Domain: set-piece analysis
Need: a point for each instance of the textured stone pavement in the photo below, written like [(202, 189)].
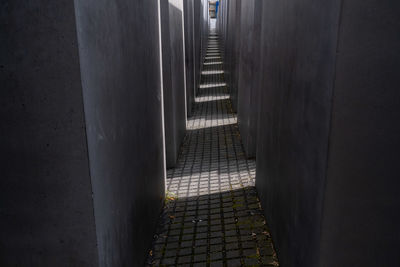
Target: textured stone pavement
[(212, 215)]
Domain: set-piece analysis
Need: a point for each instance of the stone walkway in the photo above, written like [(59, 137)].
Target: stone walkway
[(212, 215)]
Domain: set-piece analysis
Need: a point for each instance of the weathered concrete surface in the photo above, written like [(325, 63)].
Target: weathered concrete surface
[(362, 201), (46, 206), (249, 74), (119, 54)]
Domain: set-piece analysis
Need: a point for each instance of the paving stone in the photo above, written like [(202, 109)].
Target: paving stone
[(248, 244), (249, 252), (231, 232), (231, 246), (266, 250), (214, 241), (185, 251), (188, 231), (217, 264), (233, 254), (200, 257), (188, 243), (216, 256), (201, 235), (216, 234), (170, 253), (214, 248), (234, 263), (201, 242), (168, 261), (267, 260), (231, 227), (200, 250), (184, 259), (251, 262), (216, 231), (200, 264)]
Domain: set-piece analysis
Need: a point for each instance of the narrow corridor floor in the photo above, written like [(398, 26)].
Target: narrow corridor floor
[(212, 215)]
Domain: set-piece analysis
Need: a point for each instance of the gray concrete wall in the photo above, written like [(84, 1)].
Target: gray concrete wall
[(236, 51), (174, 94), (119, 54), (168, 90), (362, 201), (328, 131), (298, 53), (204, 30), (232, 47), (239, 27), (249, 74), (190, 60), (222, 21), (201, 28), (197, 42), (46, 205)]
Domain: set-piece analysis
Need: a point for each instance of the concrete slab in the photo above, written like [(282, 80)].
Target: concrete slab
[(174, 77), (120, 66), (46, 203)]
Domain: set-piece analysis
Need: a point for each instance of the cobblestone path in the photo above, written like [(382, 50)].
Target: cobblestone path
[(212, 215)]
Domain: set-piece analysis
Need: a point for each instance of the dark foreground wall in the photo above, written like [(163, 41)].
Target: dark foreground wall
[(298, 62), (119, 53), (46, 205), (82, 161), (328, 131), (362, 201), (328, 124)]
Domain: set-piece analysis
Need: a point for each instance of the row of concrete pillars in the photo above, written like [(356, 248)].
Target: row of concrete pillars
[(94, 99), (92, 109)]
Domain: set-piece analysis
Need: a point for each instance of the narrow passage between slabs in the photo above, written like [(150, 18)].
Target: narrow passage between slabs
[(212, 215)]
